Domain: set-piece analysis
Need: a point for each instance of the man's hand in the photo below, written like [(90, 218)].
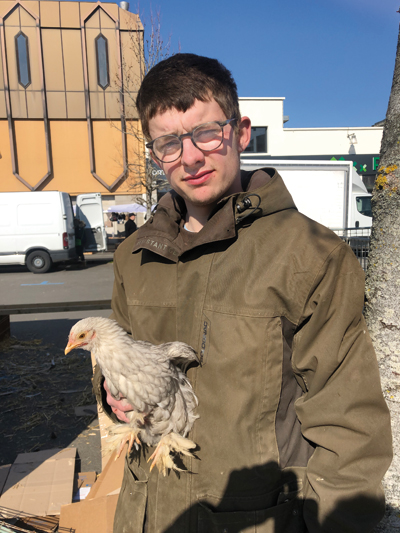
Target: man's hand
[(118, 407)]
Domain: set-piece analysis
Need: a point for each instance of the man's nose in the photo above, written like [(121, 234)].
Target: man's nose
[(191, 155)]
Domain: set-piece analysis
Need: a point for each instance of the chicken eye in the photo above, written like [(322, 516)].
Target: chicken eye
[(81, 336)]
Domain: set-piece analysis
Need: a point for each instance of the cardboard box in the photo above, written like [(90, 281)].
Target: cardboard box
[(39, 483), (82, 484), (110, 480), (96, 513), (89, 516)]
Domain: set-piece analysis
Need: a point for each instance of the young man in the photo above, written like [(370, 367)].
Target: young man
[(293, 434)]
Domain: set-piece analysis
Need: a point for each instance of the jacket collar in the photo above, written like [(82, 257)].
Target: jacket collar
[(264, 193)]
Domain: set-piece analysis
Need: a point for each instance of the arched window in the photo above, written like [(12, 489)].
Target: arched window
[(22, 52), (103, 77)]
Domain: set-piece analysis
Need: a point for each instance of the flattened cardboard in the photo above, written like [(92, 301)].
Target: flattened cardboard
[(110, 480), (95, 514), (40, 482), (82, 484), (89, 516), (84, 479)]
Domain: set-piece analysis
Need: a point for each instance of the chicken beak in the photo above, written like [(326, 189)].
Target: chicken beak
[(71, 346)]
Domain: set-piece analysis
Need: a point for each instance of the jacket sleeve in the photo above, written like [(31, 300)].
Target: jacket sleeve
[(342, 411), (119, 304), (120, 314)]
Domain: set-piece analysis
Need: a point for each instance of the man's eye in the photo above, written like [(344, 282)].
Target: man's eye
[(207, 135), (169, 146)]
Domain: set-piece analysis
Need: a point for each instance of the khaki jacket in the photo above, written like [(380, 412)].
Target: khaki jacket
[(293, 434)]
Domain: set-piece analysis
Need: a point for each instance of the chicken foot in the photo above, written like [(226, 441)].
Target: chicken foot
[(131, 437), (120, 434), (173, 442)]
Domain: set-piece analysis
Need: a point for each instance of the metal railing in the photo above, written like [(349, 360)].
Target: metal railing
[(358, 240), (52, 307)]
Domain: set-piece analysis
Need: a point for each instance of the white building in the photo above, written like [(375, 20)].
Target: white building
[(271, 140)]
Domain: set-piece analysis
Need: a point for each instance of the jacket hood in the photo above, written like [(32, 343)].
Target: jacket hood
[(264, 193)]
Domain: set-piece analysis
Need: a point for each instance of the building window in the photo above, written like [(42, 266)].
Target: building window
[(103, 77), (22, 50), (258, 142)]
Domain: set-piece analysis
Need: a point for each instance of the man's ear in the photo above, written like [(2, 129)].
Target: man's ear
[(244, 134)]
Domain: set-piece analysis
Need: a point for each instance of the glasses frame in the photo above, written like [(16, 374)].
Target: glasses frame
[(149, 145)]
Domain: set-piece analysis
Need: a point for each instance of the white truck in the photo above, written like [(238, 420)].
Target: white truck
[(330, 192), (37, 229)]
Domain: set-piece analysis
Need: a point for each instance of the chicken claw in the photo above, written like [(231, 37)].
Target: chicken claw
[(118, 436), (170, 443), (130, 438)]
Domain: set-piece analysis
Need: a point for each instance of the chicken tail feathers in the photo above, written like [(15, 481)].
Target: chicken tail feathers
[(180, 354)]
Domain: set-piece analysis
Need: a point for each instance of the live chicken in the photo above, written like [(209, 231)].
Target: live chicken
[(150, 378)]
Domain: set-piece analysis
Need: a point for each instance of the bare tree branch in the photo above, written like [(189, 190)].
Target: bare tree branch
[(145, 48)]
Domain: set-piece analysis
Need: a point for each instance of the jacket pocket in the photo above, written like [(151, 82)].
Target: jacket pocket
[(131, 506), (285, 517)]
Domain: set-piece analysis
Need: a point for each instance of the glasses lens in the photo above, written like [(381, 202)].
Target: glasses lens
[(208, 136), (167, 148)]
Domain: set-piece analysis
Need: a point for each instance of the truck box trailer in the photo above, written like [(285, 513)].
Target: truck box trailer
[(330, 192)]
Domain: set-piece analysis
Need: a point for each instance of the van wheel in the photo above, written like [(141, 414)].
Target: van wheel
[(38, 262)]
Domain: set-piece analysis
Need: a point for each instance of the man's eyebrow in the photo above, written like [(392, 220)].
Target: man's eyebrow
[(200, 123)]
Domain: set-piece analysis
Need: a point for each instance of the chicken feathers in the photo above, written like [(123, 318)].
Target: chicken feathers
[(149, 377)]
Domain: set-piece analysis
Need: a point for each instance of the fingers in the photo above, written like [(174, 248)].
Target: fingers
[(118, 407), (122, 405), (120, 415)]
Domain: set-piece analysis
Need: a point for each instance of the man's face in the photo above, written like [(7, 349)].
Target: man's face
[(202, 178)]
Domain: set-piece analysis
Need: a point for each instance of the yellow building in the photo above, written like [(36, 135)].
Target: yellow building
[(61, 108)]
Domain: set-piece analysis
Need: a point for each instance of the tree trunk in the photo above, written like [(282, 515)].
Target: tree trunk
[(382, 310)]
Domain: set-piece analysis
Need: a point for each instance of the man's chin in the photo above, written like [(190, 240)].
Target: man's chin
[(205, 200)]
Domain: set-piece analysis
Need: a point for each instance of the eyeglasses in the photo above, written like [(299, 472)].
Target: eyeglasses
[(206, 137)]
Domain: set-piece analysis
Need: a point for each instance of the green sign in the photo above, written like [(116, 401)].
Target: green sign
[(360, 167), (375, 163)]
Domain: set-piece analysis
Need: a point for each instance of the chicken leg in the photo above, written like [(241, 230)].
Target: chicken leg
[(173, 442)]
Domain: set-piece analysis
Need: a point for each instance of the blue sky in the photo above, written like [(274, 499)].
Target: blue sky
[(332, 60)]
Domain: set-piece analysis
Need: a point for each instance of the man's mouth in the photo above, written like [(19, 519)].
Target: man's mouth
[(199, 178)]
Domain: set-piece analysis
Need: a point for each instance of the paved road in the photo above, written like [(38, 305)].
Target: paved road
[(64, 284)]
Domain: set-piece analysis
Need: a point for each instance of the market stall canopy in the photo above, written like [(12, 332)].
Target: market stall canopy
[(127, 208)]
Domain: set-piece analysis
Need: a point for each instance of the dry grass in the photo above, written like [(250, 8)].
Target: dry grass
[(40, 387)]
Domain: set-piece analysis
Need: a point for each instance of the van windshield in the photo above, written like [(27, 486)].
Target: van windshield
[(364, 205)]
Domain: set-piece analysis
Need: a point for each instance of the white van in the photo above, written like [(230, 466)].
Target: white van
[(89, 209), (36, 229)]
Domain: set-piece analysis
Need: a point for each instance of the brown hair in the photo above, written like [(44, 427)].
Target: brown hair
[(181, 79)]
